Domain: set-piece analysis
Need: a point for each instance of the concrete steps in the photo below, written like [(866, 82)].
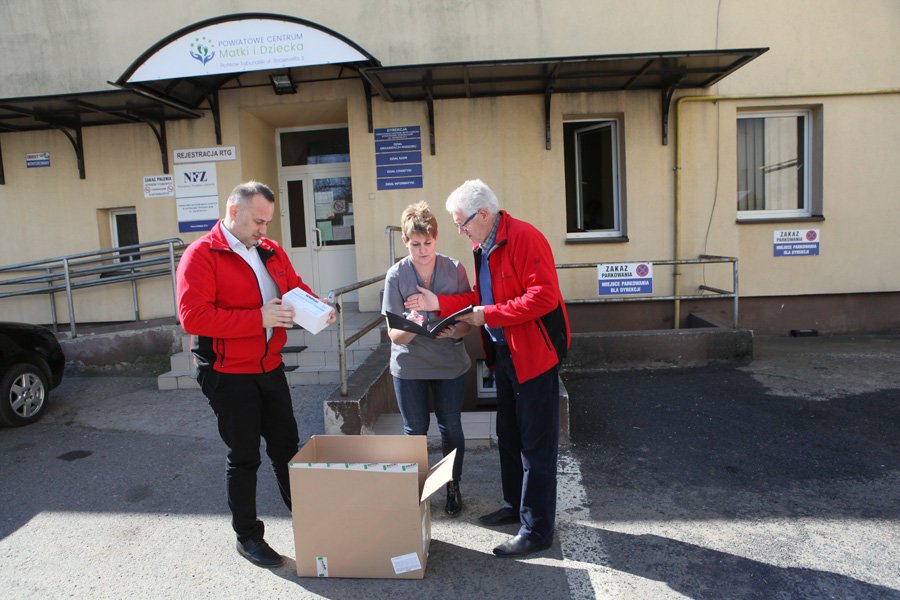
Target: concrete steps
[(308, 359)]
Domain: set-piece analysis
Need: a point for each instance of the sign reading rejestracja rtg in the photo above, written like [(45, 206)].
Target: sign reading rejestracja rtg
[(216, 153)]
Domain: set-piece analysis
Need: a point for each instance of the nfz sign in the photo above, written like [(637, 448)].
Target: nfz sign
[(196, 196), (619, 279), (195, 179), (195, 176)]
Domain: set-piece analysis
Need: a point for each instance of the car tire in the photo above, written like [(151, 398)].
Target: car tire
[(24, 392)]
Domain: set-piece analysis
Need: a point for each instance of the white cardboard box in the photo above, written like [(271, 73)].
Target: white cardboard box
[(354, 522), (310, 313)]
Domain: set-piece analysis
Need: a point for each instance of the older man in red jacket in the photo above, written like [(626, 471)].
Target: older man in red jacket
[(521, 314), (230, 283)]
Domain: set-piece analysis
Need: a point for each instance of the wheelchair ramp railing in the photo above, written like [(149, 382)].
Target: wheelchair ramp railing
[(72, 272), (704, 292)]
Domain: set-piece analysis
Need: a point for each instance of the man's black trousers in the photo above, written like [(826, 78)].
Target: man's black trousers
[(528, 441), (250, 406)]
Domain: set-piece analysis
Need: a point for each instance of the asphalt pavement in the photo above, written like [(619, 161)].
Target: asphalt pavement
[(777, 478)]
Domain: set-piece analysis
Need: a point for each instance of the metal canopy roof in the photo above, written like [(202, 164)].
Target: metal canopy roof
[(657, 70), (69, 113), (663, 71), (187, 92), (155, 102), (111, 107), (191, 92)]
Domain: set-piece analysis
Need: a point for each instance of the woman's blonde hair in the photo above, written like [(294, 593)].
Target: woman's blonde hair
[(418, 218)]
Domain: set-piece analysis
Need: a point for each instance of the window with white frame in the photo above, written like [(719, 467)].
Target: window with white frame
[(774, 164), (594, 205)]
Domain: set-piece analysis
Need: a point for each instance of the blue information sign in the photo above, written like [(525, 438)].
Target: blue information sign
[(398, 145), (398, 157), (796, 242), (398, 171), (189, 226), (398, 133), (616, 279), (37, 159), (626, 286), (399, 183)]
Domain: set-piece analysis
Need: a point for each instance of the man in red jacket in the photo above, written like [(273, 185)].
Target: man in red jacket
[(521, 315), (230, 283)]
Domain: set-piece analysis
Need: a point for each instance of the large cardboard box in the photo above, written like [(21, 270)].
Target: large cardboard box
[(360, 505)]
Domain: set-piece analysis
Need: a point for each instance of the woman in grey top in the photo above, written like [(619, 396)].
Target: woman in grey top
[(419, 363)]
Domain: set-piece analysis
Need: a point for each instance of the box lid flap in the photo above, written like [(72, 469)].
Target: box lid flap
[(439, 474)]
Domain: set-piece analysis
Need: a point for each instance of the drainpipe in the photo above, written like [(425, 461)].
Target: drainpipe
[(676, 275)]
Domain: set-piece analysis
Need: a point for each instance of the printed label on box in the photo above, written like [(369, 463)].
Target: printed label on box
[(322, 566), (406, 563)]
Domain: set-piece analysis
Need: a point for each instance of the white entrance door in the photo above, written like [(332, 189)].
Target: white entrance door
[(317, 221)]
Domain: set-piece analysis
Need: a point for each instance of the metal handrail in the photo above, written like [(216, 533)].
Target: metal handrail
[(390, 230), (336, 298), (703, 259), (91, 269)]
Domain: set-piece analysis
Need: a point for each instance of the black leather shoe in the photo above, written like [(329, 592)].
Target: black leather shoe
[(504, 516), (454, 499), (519, 545), (260, 553)]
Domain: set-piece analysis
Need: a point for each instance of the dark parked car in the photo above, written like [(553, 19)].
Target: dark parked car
[(31, 364)]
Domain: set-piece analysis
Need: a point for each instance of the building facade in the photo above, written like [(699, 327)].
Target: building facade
[(627, 132)]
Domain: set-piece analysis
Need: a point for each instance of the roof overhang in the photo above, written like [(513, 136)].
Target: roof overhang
[(663, 71), (70, 113), (174, 78), (604, 73), (112, 107)]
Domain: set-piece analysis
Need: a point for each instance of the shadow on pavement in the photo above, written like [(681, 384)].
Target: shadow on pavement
[(706, 574), (711, 443), (72, 469), (485, 576)]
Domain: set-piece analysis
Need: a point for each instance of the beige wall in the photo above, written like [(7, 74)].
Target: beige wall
[(858, 244), (51, 212), (85, 43), (501, 141), (816, 46)]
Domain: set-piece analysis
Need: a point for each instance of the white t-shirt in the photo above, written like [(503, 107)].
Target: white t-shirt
[(267, 287)]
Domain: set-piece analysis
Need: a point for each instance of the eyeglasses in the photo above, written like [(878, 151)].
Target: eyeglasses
[(463, 226)]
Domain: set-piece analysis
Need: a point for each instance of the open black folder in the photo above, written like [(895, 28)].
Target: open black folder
[(400, 322)]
